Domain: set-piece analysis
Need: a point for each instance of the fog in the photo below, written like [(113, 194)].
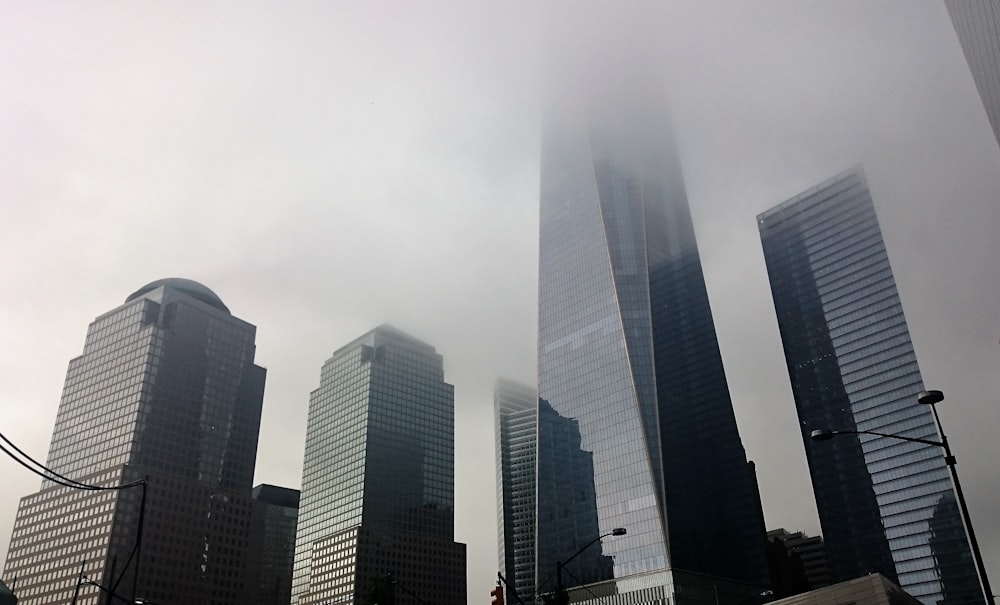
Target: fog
[(329, 167)]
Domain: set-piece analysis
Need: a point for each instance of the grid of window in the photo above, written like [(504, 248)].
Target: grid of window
[(883, 503), (516, 421), (380, 456), (166, 389), (55, 531), (639, 424)]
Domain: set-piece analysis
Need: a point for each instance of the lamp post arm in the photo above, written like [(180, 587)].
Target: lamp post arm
[(950, 462), (583, 548), (561, 597), (891, 436)]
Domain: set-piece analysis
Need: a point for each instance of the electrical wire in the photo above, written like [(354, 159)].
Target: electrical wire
[(406, 590), (581, 584), (55, 477), (50, 475), (37, 463), (43, 475)]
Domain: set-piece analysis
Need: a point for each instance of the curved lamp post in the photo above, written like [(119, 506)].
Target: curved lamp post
[(562, 597), (931, 398)]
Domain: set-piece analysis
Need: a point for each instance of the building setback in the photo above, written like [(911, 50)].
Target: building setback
[(515, 409), (808, 550), (166, 388), (376, 516), (885, 505), (977, 23), (627, 353), (273, 520)]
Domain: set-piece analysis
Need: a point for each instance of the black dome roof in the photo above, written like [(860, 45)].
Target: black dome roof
[(187, 286)]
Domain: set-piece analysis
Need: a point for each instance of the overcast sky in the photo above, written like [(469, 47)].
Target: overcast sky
[(326, 167)]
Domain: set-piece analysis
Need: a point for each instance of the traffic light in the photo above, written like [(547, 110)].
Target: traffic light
[(497, 594)]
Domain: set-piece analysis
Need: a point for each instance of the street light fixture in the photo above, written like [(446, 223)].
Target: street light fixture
[(562, 597), (931, 398)]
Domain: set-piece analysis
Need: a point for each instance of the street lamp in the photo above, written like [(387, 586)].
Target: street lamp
[(562, 597), (931, 398)]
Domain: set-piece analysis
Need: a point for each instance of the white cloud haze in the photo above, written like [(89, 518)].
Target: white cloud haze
[(326, 167)]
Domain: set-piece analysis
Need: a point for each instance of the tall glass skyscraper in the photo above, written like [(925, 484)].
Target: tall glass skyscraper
[(166, 388), (885, 505), (627, 355), (377, 510), (515, 408), (977, 23)]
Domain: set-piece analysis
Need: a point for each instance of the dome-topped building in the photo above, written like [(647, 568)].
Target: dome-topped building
[(166, 389), (188, 286)]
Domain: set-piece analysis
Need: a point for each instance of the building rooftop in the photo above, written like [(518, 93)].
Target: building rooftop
[(190, 287)]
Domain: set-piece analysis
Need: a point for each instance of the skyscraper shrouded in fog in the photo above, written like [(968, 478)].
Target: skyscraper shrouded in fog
[(977, 23), (885, 505), (627, 353), (166, 388), (376, 515), (515, 408)]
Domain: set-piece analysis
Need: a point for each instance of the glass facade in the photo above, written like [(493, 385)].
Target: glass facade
[(515, 409), (637, 427), (977, 23), (378, 478), (167, 389), (883, 503), (272, 545)]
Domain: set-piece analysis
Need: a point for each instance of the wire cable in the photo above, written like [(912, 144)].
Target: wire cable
[(581, 584), (37, 463), (55, 477), (406, 590), (41, 474), (51, 475)]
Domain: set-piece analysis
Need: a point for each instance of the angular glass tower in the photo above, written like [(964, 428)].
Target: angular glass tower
[(885, 505), (977, 23), (627, 353), (166, 388), (515, 409), (377, 510)]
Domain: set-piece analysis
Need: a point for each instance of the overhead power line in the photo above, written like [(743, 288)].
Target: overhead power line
[(51, 475)]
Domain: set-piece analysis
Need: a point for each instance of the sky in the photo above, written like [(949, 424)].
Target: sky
[(327, 167)]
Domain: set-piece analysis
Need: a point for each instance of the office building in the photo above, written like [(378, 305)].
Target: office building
[(166, 389), (808, 550), (376, 514), (273, 519), (883, 503), (627, 352), (515, 408), (977, 23)]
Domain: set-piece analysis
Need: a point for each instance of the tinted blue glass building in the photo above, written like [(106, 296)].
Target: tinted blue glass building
[(628, 361), (885, 505)]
